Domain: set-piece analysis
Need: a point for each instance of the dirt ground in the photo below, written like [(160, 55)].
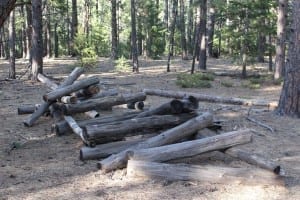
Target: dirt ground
[(37, 164)]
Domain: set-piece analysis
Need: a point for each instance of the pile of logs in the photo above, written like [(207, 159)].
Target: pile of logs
[(144, 140)]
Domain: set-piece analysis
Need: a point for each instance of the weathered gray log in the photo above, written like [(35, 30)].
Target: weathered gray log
[(210, 174), (27, 109), (56, 113), (74, 126), (63, 91), (104, 103), (92, 114), (50, 84), (69, 99), (87, 92), (98, 134), (192, 148), (167, 137), (44, 106), (208, 98), (251, 158), (136, 105), (62, 127), (105, 150), (106, 93)]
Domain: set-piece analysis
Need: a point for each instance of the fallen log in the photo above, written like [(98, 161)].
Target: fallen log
[(210, 174), (56, 113), (192, 148), (50, 84), (106, 93), (104, 103), (208, 98), (27, 109), (62, 127), (175, 106), (74, 126), (44, 106), (167, 137), (87, 92), (69, 99), (63, 91), (136, 105), (253, 158), (98, 134)]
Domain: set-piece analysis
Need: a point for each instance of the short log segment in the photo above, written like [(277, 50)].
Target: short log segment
[(69, 99), (136, 105), (74, 126), (104, 103), (62, 127), (167, 137), (192, 148), (208, 98), (98, 134), (87, 92), (254, 159), (47, 81), (92, 114), (44, 106), (27, 109), (63, 91), (210, 174)]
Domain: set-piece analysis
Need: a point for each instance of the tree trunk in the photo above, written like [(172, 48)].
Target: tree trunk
[(211, 30), (99, 104), (196, 40), (55, 41), (204, 174), (23, 32), (281, 38), (172, 31), (74, 25), (6, 7), (37, 39), (192, 148), (212, 99), (63, 91), (12, 50), (202, 35), (167, 137), (135, 61), (261, 45), (289, 103), (99, 134), (166, 14), (29, 31), (114, 29), (184, 54), (190, 27)]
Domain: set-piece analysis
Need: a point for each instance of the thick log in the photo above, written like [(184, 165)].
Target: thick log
[(136, 105), (47, 81), (239, 153), (69, 99), (192, 148), (87, 92), (105, 150), (104, 103), (167, 137), (27, 109), (62, 127), (208, 98), (106, 93), (63, 91), (56, 113), (210, 174), (45, 106), (98, 134)]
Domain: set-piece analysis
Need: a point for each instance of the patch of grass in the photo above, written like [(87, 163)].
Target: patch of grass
[(278, 81), (251, 85), (198, 80), (226, 83), (122, 65)]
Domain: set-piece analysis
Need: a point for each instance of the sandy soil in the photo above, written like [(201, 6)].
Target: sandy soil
[(45, 166)]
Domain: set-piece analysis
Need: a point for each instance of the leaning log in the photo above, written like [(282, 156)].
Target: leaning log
[(210, 174), (98, 134), (63, 91), (104, 103), (208, 98), (251, 158), (167, 137), (50, 84), (62, 127), (192, 148), (74, 126), (44, 106)]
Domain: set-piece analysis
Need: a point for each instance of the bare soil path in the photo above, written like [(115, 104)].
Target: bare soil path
[(36, 164)]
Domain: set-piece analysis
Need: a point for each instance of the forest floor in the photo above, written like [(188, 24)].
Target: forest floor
[(45, 166)]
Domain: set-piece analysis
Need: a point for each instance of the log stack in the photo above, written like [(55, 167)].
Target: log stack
[(145, 141)]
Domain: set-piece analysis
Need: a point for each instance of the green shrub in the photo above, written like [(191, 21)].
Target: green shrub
[(226, 83), (199, 80), (122, 65)]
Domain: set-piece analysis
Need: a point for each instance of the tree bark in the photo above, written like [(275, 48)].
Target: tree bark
[(135, 61), (211, 174), (99, 104), (37, 39), (202, 35), (114, 29), (6, 7), (12, 49), (192, 148), (281, 38), (184, 54), (211, 30), (190, 27), (98, 134), (167, 137), (289, 103), (212, 99), (63, 91), (74, 25), (50, 84), (27, 109)]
